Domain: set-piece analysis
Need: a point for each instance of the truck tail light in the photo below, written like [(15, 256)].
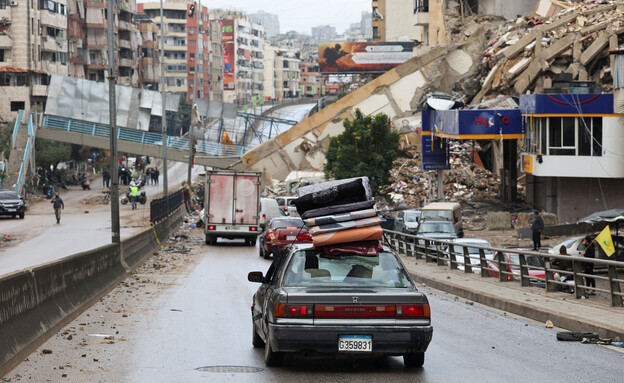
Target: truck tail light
[(293, 311), (413, 311), (253, 228), (211, 227)]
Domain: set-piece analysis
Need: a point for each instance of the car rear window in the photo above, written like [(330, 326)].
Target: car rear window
[(289, 222), (314, 268)]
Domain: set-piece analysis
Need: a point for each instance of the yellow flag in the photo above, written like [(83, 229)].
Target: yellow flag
[(605, 241)]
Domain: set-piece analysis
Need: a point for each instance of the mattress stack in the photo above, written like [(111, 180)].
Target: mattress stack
[(341, 213)]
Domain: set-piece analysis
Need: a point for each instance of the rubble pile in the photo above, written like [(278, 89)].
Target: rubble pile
[(465, 181), (561, 38)]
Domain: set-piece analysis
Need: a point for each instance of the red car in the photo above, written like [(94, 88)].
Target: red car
[(537, 276), (289, 230)]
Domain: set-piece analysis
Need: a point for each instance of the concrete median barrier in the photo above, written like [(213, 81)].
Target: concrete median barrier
[(37, 302)]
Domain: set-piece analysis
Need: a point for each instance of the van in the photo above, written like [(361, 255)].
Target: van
[(287, 206), (450, 211), (269, 209)]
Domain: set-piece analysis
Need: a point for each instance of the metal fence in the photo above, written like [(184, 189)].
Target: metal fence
[(457, 256), (161, 207)]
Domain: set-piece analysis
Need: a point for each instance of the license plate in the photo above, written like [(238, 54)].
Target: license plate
[(11, 209), (291, 237), (355, 343)]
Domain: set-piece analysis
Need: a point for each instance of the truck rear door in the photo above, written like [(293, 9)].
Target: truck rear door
[(246, 200), (221, 198)]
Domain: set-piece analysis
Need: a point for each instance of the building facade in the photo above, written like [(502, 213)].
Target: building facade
[(312, 82), (269, 21)]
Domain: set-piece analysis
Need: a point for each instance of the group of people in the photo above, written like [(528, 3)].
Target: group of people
[(152, 175)]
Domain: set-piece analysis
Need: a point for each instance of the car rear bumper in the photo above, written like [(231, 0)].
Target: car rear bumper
[(387, 340)]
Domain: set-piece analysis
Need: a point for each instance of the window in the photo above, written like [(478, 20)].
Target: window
[(3, 4), (562, 136), (1, 53), (17, 105), (421, 6)]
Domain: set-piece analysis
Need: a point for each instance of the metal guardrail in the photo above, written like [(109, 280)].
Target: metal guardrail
[(18, 121), (456, 256), (161, 207), (142, 137)]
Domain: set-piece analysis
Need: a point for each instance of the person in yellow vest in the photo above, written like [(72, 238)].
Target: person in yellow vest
[(134, 194), (131, 174)]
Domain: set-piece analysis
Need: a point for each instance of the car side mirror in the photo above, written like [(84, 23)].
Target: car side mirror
[(255, 276)]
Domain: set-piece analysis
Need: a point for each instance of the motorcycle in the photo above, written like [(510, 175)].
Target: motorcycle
[(86, 185), (141, 198)]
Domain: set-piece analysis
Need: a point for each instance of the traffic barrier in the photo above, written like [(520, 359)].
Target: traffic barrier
[(36, 302)]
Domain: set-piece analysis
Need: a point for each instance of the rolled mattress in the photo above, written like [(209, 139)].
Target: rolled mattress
[(350, 235)]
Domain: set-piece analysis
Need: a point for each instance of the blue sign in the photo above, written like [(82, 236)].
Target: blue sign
[(434, 150), (567, 104), (480, 124)]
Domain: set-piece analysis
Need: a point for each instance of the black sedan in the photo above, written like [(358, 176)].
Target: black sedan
[(347, 304), (11, 204)]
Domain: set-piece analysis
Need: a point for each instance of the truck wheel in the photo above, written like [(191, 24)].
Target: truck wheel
[(252, 242), (210, 240)]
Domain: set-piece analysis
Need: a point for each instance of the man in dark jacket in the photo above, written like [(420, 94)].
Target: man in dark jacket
[(57, 204), (588, 267), (537, 226)]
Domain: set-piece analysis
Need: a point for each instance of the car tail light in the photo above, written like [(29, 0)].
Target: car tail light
[(211, 227), (304, 237), (270, 234), (413, 311), (253, 228), (293, 311)]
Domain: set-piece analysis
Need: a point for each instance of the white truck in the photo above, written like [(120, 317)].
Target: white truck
[(232, 206)]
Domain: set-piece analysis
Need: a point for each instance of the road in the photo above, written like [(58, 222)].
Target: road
[(37, 238), (184, 317)]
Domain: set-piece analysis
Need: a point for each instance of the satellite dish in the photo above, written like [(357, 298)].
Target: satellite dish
[(440, 104)]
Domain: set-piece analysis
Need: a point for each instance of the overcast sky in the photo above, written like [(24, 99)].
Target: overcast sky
[(301, 15)]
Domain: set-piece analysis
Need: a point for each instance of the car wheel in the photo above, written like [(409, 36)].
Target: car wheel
[(21, 215), (572, 336), (256, 341), (414, 359), (272, 358), (13, 215)]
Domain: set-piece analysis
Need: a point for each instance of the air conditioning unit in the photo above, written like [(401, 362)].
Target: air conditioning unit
[(13, 3)]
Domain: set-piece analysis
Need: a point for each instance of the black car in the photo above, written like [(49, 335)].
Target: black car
[(11, 204), (340, 304)]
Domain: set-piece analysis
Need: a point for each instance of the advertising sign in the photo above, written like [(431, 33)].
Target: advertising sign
[(527, 163), (363, 57), (229, 77)]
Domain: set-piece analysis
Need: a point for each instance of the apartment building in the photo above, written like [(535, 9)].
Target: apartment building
[(33, 45), (269, 21), (149, 66), (243, 58), (282, 72), (311, 81)]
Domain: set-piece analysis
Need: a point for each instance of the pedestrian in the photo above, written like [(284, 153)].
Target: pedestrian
[(58, 205), (588, 267), (2, 177), (156, 174), (134, 194), (148, 175), (106, 178), (537, 226)]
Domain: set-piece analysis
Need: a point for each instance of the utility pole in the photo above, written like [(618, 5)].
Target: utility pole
[(112, 107), (164, 103), (195, 117)]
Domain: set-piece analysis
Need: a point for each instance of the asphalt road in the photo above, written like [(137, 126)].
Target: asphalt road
[(185, 317)]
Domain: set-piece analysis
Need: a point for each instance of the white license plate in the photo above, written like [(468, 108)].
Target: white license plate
[(11, 209), (291, 237), (355, 343)]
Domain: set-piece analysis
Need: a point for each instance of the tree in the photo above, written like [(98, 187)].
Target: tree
[(51, 153), (367, 147)]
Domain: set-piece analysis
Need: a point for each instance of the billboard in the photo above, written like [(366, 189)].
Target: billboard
[(229, 77), (363, 57)]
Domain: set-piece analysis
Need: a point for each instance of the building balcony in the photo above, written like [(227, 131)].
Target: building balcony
[(54, 68), (126, 62), (123, 80), (97, 26), (53, 20), (150, 45), (421, 18), (40, 90), (5, 42), (96, 4), (127, 26), (124, 44), (53, 45), (97, 66), (176, 48)]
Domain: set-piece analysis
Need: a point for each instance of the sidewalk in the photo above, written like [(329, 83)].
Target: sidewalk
[(564, 310)]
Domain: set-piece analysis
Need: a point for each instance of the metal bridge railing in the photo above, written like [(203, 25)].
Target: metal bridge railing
[(18, 121), (143, 137), (456, 256), (161, 207)]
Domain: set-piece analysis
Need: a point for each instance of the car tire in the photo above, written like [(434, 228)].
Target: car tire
[(21, 215), (572, 336), (256, 341), (271, 358), (414, 359)]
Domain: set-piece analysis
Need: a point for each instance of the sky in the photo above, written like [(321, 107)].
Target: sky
[(301, 15)]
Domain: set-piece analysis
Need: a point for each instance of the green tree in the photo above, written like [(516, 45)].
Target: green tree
[(51, 153), (367, 147)]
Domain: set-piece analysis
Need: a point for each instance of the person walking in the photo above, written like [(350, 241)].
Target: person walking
[(134, 194), (588, 267), (58, 205), (156, 174), (148, 176), (537, 226), (106, 178)]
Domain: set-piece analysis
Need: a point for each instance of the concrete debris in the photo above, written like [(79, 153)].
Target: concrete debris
[(572, 40), (549, 324)]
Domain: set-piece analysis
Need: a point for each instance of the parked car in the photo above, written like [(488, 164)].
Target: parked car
[(269, 209), (472, 251), (574, 246), (286, 206), (512, 260), (345, 304), (288, 230), (11, 204), (436, 229), (407, 221)]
